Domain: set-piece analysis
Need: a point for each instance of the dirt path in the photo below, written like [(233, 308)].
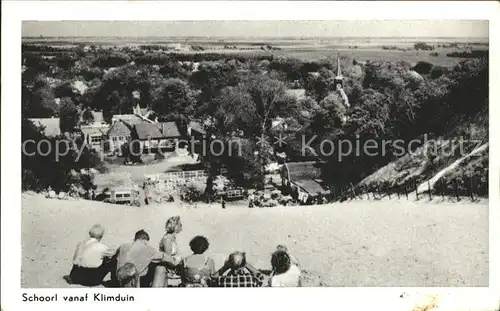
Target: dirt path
[(428, 185)]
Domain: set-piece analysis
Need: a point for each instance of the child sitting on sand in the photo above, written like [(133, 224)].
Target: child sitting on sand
[(198, 267), (128, 276)]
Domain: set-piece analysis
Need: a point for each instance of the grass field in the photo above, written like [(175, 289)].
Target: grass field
[(386, 243)]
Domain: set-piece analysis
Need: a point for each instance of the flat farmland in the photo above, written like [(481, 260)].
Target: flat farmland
[(360, 54), (306, 49)]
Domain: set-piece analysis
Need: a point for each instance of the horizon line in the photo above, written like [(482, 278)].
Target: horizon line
[(256, 37)]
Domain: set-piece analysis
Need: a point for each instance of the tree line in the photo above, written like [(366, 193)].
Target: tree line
[(239, 97)]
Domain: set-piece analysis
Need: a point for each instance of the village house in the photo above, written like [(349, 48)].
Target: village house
[(120, 131), (303, 180), (94, 135), (157, 136), (122, 125)]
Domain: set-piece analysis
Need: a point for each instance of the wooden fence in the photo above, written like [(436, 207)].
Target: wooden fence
[(176, 176), (471, 188)]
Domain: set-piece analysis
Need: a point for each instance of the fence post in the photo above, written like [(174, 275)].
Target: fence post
[(397, 191), (415, 186), (353, 191), (472, 188), (406, 191), (429, 189), (456, 190), (442, 188)]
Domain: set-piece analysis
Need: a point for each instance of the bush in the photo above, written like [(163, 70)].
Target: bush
[(423, 46), (471, 54), (159, 156), (438, 71), (423, 67), (192, 192)]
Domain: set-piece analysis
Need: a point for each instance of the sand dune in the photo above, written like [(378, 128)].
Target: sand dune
[(387, 243)]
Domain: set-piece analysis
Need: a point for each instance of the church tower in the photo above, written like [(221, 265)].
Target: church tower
[(339, 83), (339, 79)]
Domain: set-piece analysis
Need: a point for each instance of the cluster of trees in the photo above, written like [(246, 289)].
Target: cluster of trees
[(238, 96), (471, 54), (423, 46), (55, 162)]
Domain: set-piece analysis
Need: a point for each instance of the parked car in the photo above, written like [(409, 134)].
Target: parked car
[(126, 196)]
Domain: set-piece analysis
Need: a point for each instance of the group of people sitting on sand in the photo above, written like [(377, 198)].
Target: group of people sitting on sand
[(138, 264)]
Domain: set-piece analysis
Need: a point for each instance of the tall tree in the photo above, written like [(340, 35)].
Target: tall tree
[(175, 101), (41, 103), (254, 105), (69, 116), (87, 116)]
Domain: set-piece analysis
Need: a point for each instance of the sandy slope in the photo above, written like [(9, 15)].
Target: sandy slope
[(388, 243)]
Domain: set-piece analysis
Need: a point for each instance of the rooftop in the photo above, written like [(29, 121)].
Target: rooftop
[(156, 130), (120, 128), (130, 119), (89, 129), (311, 186), (303, 170)]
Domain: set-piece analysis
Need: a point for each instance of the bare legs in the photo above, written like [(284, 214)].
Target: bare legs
[(160, 276)]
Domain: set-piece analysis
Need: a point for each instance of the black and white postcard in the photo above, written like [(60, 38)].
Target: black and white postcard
[(314, 152)]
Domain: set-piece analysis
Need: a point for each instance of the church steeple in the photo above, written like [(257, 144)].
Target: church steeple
[(339, 79)]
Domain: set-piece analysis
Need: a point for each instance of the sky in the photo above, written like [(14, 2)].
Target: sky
[(356, 28)]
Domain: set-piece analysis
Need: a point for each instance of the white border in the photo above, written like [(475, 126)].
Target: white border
[(289, 299)]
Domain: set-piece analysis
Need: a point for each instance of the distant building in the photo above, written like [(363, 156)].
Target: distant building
[(139, 114), (122, 125), (302, 179), (94, 135), (339, 86), (120, 131), (156, 136)]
